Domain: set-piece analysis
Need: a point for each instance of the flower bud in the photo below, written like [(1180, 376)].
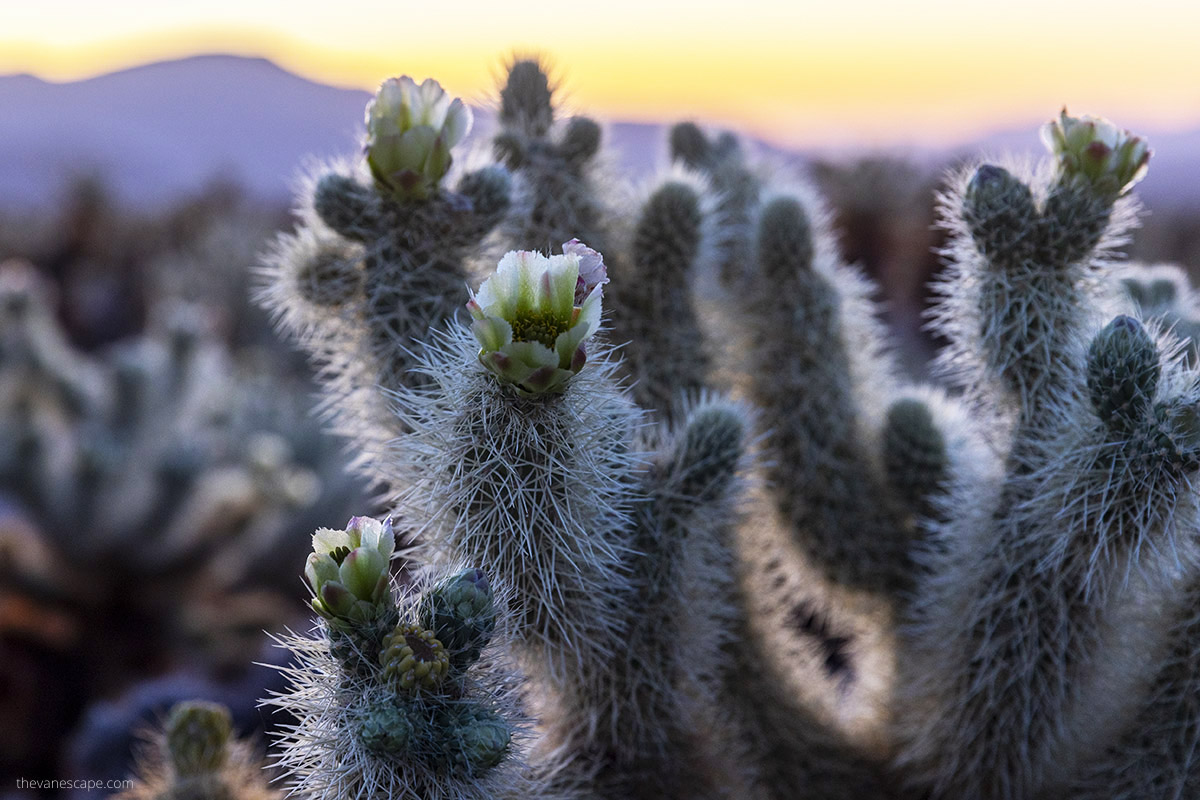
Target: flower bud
[(461, 613), (1122, 373), (348, 570), (1093, 150), (413, 658), (534, 314), (410, 132)]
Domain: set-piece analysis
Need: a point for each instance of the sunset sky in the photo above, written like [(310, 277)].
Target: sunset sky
[(929, 71)]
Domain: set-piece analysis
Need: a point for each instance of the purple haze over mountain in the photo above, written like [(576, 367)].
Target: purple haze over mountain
[(160, 130)]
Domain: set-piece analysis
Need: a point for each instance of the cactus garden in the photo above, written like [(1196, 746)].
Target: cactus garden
[(622, 487)]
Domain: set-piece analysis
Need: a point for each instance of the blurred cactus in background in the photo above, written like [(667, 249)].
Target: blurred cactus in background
[(145, 492)]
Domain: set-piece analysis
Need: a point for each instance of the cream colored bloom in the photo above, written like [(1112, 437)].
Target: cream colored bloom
[(1094, 150), (534, 315), (348, 569), (410, 132)]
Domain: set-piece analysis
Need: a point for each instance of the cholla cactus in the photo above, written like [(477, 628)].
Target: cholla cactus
[(1017, 666), (195, 756), (377, 263), (428, 708), (1025, 536), (559, 196)]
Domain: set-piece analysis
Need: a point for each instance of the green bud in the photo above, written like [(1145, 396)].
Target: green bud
[(413, 659), (385, 728), (478, 738), (198, 737), (461, 613)]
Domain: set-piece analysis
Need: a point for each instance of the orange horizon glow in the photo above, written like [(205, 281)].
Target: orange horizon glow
[(862, 81)]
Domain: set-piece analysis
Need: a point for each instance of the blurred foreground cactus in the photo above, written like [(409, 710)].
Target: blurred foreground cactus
[(748, 559), (196, 758)]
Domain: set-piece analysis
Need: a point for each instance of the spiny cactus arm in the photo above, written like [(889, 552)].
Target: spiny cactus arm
[(1019, 654), (521, 457), (648, 726), (382, 706), (349, 207), (559, 195), (916, 462), (736, 189), (196, 756), (527, 98), (653, 313), (1155, 755), (1026, 256), (818, 374)]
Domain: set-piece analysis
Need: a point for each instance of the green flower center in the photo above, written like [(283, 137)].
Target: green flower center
[(538, 326), (338, 554)]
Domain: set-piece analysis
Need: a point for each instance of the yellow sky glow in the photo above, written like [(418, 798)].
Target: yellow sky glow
[(926, 70)]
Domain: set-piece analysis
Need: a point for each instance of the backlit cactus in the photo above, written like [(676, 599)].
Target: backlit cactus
[(392, 715), (990, 570)]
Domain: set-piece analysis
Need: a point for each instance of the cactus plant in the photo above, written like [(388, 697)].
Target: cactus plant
[(395, 712), (1007, 533), (195, 757)]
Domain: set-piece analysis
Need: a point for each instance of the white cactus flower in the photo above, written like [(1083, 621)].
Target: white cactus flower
[(410, 132), (348, 569), (534, 315), (1094, 150)]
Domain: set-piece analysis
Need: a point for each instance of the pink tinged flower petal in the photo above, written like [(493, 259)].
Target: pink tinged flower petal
[(532, 354), (498, 294), (360, 571), (387, 539), (580, 357), (473, 307), (492, 333), (438, 163), (414, 147), (319, 569), (506, 369), (568, 343), (591, 309), (592, 271), (531, 266)]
